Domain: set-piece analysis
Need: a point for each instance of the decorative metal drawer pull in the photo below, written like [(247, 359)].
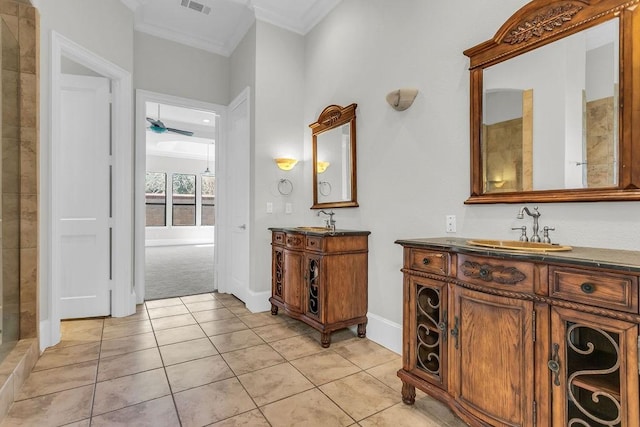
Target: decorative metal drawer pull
[(554, 364), (588, 288), (455, 331), (426, 261)]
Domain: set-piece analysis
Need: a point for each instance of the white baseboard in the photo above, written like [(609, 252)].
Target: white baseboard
[(258, 301), (384, 332), (177, 242), (45, 335)]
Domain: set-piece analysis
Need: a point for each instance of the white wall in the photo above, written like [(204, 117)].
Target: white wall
[(413, 166), (170, 68)]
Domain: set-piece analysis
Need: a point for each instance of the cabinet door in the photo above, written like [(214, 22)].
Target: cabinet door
[(426, 327), (594, 370), (313, 298), (293, 280), (492, 345)]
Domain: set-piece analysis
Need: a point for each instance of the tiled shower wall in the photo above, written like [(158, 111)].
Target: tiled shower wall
[(22, 20)]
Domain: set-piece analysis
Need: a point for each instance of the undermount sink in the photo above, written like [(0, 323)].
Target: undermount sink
[(315, 229), (517, 245)]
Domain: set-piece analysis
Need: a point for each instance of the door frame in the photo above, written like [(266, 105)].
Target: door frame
[(142, 97), (122, 295)]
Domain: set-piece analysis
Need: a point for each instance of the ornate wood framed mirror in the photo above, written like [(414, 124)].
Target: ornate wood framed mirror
[(334, 158), (555, 105)]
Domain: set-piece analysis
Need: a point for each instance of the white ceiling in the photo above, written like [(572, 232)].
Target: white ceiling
[(228, 21)]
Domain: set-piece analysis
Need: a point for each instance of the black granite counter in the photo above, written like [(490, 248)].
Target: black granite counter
[(615, 259)]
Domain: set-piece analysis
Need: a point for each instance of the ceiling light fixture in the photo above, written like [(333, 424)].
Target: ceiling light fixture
[(207, 171)]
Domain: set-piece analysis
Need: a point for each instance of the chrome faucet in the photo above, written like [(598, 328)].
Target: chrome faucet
[(330, 223), (535, 215)]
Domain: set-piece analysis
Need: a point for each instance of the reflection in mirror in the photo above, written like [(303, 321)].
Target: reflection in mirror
[(550, 115), (334, 157)]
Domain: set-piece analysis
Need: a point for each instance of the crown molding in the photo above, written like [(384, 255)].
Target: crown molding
[(192, 41), (309, 19)]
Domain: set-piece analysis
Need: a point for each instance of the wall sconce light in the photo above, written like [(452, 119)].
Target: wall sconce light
[(402, 99), (285, 163), (322, 166)]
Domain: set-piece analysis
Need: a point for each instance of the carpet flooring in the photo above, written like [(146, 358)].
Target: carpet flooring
[(173, 271)]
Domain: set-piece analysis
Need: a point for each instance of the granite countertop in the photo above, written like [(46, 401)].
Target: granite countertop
[(320, 231), (624, 260)]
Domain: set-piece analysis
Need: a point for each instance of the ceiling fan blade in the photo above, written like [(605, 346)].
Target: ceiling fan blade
[(180, 131), (155, 122)]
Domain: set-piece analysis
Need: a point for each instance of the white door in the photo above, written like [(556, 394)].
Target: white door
[(81, 198), (238, 159)]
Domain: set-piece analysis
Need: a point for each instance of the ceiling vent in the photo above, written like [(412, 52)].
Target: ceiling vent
[(198, 7)]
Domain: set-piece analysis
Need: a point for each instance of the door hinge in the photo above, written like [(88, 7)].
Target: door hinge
[(535, 413), (534, 326)]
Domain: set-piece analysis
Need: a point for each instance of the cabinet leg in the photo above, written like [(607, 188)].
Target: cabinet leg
[(325, 338), (274, 309), (362, 330), (408, 393)]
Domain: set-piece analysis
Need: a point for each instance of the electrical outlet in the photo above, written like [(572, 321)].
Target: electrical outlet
[(269, 207), (451, 223), (288, 208)]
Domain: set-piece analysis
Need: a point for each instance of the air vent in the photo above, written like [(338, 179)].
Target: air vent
[(194, 5)]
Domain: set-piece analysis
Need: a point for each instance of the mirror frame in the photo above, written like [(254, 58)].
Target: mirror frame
[(536, 24), (333, 117)]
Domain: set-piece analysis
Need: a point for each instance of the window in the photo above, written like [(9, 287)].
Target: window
[(184, 199), (208, 200), (156, 199)]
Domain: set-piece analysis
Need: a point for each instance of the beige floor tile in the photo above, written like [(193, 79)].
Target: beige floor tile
[(418, 414), (172, 310), (339, 338), (226, 298), (196, 298), (51, 410), (239, 310), (261, 319), (309, 409), (277, 332), (84, 336), (248, 419), (365, 354), (373, 396), (179, 334), (54, 357), (236, 340), (58, 379), (129, 363), (153, 413), (126, 391), (187, 350), (195, 406), (163, 302), (204, 305), (126, 329), (252, 358), (297, 347), (83, 423), (173, 321), (76, 325), (224, 326), (141, 314), (213, 314), (325, 367), (118, 346), (387, 373), (274, 383), (197, 372)]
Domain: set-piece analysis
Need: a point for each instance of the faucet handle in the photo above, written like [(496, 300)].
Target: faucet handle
[(523, 236), (545, 236)]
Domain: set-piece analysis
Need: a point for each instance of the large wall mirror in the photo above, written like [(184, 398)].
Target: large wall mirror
[(334, 158), (555, 105)]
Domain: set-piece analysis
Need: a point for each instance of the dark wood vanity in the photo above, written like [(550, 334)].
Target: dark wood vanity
[(510, 338), (320, 277)]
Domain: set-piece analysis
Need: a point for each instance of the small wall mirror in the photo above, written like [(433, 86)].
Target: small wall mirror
[(552, 112), (334, 158)]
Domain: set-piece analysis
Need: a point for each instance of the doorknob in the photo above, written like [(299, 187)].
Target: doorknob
[(243, 226)]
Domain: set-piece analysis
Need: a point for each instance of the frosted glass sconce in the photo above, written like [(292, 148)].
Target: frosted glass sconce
[(402, 99), (285, 163), (322, 166)]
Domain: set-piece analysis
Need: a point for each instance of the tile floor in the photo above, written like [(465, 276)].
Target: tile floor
[(206, 360)]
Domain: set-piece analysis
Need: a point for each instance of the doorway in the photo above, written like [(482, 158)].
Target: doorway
[(176, 200)]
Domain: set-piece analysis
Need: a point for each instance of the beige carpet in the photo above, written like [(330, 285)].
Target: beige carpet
[(173, 271)]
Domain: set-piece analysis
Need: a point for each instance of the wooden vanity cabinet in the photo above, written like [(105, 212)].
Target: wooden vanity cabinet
[(511, 339), (321, 279)]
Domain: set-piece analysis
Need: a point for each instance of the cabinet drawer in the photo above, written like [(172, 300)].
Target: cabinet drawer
[(497, 273), (427, 261), (277, 238), (294, 241), (314, 243), (609, 290)]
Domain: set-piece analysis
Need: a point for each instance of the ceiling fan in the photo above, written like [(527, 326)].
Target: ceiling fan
[(158, 127)]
